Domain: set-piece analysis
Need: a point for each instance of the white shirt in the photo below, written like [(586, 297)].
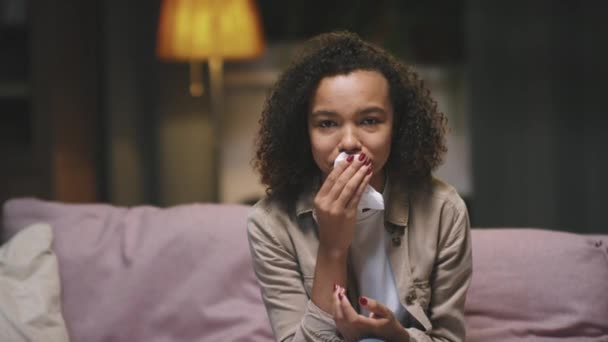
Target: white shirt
[(371, 264)]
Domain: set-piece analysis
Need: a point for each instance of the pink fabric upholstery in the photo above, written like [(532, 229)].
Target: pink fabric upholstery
[(184, 274), (150, 274), (538, 285)]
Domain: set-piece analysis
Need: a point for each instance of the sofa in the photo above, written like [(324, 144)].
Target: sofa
[(96, 272)]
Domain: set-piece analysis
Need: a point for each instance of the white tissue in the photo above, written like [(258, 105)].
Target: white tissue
[(371, 199)]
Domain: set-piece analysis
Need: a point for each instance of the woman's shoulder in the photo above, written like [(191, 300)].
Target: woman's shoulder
[(270, 216), (271, 223), (265, 209), (438, 193), (269, 205), (436, 209)]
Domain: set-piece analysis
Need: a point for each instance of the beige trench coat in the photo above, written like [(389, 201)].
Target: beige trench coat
[(430, 256)]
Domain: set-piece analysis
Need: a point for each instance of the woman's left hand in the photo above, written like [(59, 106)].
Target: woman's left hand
[(381, 322)]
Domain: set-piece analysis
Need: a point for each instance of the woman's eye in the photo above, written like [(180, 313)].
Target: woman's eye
[(369, 121), (326, 124)]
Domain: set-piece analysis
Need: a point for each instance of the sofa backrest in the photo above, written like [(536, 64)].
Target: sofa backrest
[(151, 274), (183, 274), (538, 285)]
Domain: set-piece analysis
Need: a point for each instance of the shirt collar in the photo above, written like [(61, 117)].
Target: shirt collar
[(396, 203)]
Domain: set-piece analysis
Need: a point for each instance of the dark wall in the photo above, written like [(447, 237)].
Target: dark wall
[(51, 149), (130, 101), (537, 72)]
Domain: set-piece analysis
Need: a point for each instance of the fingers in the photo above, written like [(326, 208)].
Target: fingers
[(383, 322), (353, 326), (341, 323), (333, 176), (348, 311), (356, 198), (347, 192), (338, 315), (376, 309), (343, 182)]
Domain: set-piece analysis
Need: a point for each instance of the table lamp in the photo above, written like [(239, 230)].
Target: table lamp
[(196, 31)]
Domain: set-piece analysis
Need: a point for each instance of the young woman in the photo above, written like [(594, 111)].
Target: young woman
[(330, 269)]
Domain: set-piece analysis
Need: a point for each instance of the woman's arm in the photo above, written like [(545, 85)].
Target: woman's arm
[(293, 316), (336, 214)]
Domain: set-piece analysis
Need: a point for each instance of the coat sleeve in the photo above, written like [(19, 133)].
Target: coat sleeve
[(293, 316), (449, 282)]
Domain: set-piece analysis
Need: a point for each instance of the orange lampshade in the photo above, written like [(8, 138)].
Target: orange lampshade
[(200, 29)]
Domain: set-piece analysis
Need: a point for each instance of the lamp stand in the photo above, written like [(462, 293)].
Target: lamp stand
[(216, 99)]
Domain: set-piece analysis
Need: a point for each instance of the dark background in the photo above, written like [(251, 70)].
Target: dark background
[(535, 87)]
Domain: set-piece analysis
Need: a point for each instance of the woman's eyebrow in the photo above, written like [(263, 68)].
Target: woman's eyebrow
[(362, 111), (323, 112), (372, 109)]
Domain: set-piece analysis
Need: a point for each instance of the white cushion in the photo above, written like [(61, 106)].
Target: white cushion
[(30, 307)]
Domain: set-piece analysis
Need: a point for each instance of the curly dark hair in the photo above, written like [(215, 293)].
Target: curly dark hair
[(284, 157)]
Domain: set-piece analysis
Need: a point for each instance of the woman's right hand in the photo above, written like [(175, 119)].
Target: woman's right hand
[(381, 322), (335, 204)]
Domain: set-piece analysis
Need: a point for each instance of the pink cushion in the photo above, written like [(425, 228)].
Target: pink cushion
[(538, 285), (150, 274)]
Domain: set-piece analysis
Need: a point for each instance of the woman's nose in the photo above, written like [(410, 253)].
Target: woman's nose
[(350, 142)]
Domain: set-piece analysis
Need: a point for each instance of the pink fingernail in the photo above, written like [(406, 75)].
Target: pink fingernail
[(362, 300), (361, 156), (340, 296), (350, 158)]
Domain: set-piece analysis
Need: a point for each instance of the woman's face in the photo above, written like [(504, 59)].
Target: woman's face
[(352, 113)]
